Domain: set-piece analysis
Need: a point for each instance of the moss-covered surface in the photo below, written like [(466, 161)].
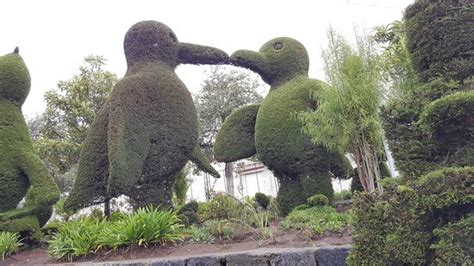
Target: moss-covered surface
[(147, 131), (301, 167), (440, 41), (406, 224), (22, 173), (236, 138), (440, 38), (450, 123)]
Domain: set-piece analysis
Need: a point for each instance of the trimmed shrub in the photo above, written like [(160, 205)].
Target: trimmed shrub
[(224, 207), (9, 243), (440, 35), (147, 130), (301, 167), (262, 200), (400, 226), (318, 200), (449, 121), (192, 206), (236, 139), (455, 242), (22, 173)]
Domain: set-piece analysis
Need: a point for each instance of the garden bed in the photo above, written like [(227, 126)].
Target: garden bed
[(248, 241)]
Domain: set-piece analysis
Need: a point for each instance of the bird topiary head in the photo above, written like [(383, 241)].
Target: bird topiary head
[(15, 79), (154, 41), (278, 60)]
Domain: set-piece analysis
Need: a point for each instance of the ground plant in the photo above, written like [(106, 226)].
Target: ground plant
[(9, 243)]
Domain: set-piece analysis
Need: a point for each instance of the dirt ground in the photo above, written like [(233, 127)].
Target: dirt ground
[(243, 242)]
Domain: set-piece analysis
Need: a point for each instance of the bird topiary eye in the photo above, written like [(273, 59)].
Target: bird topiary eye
[(278, 45)]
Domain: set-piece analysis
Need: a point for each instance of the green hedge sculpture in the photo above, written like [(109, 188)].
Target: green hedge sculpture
[(22, 173), (147, 129), (440, 37), (271, 129)]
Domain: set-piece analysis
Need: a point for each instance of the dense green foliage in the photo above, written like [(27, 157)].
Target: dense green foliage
[(408, 224), (70, 110), (189, 213), (317, 200), (440, 35), (181, 185), (22, 174), (301, 167), (449, 121), (315, 221), (148, 226), (262, 200), (9, 243), (236, 139), (347, 118), (147, 130)]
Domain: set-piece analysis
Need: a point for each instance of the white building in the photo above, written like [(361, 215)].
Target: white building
[(249, 178)]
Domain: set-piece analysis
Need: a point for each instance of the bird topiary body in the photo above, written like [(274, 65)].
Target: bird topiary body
[(147, 130), (22, 173), (272, 128)]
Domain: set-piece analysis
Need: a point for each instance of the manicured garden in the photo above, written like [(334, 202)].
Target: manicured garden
[(404, 90)]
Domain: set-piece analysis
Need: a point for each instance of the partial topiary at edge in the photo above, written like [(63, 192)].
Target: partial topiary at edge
[(410, 223), (272, 130), (147, 130), (22, 173)]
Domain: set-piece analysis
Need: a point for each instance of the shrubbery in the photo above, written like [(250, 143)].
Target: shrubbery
[(318, 200), (316, 221), (9, 243), (422, 222), (148, 226)]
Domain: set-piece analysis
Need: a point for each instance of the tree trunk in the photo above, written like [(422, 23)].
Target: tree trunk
[(107, 208), (367, 164), (229, 177)]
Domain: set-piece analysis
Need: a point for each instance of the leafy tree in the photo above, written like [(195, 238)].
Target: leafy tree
[(223, 91), (346, 119), (59, 132), (181, 186)]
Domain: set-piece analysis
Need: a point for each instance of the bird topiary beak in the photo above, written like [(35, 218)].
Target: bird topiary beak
[(250, 60), (200, 54)]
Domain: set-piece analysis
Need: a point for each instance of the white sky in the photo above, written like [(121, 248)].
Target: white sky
[(55, 36)]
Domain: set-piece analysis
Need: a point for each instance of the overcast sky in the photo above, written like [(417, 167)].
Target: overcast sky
[(55, 36)]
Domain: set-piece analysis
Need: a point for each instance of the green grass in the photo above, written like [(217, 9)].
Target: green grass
[(317, 220), (9, 243)]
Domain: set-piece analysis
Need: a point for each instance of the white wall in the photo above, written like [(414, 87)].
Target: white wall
[(250, 179)]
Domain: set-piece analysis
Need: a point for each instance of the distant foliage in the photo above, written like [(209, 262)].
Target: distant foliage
[(70, 110), (318, 200)]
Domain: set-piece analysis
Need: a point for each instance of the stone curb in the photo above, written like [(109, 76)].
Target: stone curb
[(317, 256)]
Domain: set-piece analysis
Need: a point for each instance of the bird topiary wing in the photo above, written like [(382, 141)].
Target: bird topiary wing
[(236, 138)]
